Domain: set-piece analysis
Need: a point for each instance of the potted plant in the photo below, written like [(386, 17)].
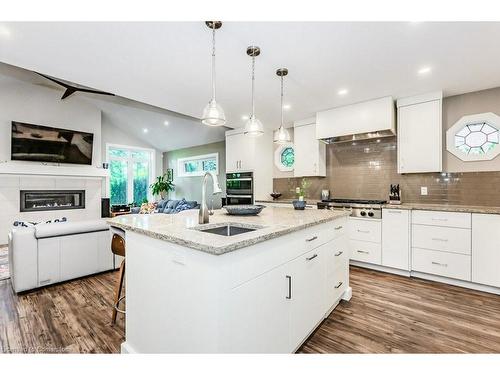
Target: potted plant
[(301, 191), (162, 186)]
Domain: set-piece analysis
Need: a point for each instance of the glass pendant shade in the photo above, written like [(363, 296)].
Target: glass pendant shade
[(253, 127), (213, 114), (282, 136)]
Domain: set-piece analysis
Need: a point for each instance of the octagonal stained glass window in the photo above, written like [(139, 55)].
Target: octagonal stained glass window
[(475, 137), (287, 157)]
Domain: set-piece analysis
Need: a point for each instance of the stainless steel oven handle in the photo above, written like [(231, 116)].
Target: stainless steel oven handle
[(238, 196), (240, 179)]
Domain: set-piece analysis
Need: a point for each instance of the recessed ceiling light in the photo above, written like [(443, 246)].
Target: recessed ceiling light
[(342, 92), (424, 70), (287, 106), (244, 117), (165, 123), (145, 130)]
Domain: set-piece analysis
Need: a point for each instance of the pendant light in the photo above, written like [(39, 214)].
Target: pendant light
[(213, 114), (253, 127), (282, 135)]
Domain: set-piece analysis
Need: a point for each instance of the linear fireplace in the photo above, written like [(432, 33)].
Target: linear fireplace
[(49, 200)]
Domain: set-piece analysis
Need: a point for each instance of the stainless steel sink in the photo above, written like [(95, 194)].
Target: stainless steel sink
[(228, 229)]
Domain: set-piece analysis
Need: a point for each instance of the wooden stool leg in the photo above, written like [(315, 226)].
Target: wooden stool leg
[(118, 292)]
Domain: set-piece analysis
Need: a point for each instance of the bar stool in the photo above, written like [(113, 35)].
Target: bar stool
[(118, 248)]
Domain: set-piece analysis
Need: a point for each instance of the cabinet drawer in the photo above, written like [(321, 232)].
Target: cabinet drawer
[(316, 236), (338, 227), (453, 240), (365, 230), (368, 252), (441, 218), (336, 284), (455, 266)]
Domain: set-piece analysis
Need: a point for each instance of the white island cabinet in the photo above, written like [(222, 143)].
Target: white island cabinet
[(259, 292)]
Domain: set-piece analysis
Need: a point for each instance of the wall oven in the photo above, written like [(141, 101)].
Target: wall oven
[(239, 188)]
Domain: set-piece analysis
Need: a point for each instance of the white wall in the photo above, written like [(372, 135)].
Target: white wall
[(25, 102), (112, 134)]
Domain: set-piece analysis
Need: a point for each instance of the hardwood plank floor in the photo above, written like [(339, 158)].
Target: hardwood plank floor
[(72, 317), (395, 314), (387, 314)]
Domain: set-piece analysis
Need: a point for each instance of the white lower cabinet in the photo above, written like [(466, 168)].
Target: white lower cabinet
[(396, 238), (250, 323), (455, 266), (307, 292), (486, 249), (365, 240), (288, 302)]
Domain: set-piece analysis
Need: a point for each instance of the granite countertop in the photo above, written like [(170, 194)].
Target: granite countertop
[(178, 228), (445, 207)]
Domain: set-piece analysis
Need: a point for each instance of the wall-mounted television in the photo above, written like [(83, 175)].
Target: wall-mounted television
[(52, 145)]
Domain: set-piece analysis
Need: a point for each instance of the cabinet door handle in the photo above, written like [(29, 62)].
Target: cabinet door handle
[(289, 278), (339, 227), (440, 239), (45, 281), (363, 231), (363, 252), (440, 264), (312, 257), (395, 212), (339, 253), (311, 239), (439, 219), (338, 285)]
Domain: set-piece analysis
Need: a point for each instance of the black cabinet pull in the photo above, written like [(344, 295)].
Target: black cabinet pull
[(312, 257), (289, 278)]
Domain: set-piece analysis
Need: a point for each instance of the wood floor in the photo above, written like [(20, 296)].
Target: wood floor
[(394, 314), (387, 314)]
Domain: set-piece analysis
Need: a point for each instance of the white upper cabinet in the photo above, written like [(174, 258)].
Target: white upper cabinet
[(240, 150), (368, 117), (420, 133), (310, 154), (251, 154)]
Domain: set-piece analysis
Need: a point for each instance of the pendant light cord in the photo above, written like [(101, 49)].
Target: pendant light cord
[(253, 86), (213, 60), (281, 101)]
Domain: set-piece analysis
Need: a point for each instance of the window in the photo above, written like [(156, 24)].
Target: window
[(131, 173), (284, 157), (198, 165), (475, 137)]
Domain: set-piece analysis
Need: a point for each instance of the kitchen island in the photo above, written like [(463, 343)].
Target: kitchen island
[(191, 288)]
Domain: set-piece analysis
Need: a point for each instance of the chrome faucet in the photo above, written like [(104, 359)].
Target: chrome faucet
[(203, 213)]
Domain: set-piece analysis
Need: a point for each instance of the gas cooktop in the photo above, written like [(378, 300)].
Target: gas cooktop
[(363, 208)]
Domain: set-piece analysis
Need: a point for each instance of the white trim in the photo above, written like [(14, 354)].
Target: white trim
[(277, 157), (182, 161), (418, 99), (130, 178)]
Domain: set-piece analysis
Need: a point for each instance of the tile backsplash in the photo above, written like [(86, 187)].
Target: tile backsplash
[(366, 169)]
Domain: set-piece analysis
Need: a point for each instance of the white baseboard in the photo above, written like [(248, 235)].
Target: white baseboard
[(426, 276), (127, 349), (377, 267), (455, 282)]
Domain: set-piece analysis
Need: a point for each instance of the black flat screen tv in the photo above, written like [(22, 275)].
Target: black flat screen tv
[(52, 145)]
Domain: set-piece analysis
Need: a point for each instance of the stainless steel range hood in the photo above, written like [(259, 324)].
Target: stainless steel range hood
[(356, 122), (359, 137)]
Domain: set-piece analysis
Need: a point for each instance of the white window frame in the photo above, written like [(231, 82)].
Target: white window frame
[(130, 171), (182, 161)]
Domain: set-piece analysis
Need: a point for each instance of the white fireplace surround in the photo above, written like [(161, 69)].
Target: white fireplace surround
[(11, 184)]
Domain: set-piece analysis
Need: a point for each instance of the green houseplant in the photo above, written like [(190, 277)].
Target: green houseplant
[(162, 186)]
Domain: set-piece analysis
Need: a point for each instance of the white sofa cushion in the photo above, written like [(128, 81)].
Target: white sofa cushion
[(67, 228)]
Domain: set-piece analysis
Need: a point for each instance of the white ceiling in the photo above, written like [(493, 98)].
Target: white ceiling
[(166, 130), (168, 64)]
